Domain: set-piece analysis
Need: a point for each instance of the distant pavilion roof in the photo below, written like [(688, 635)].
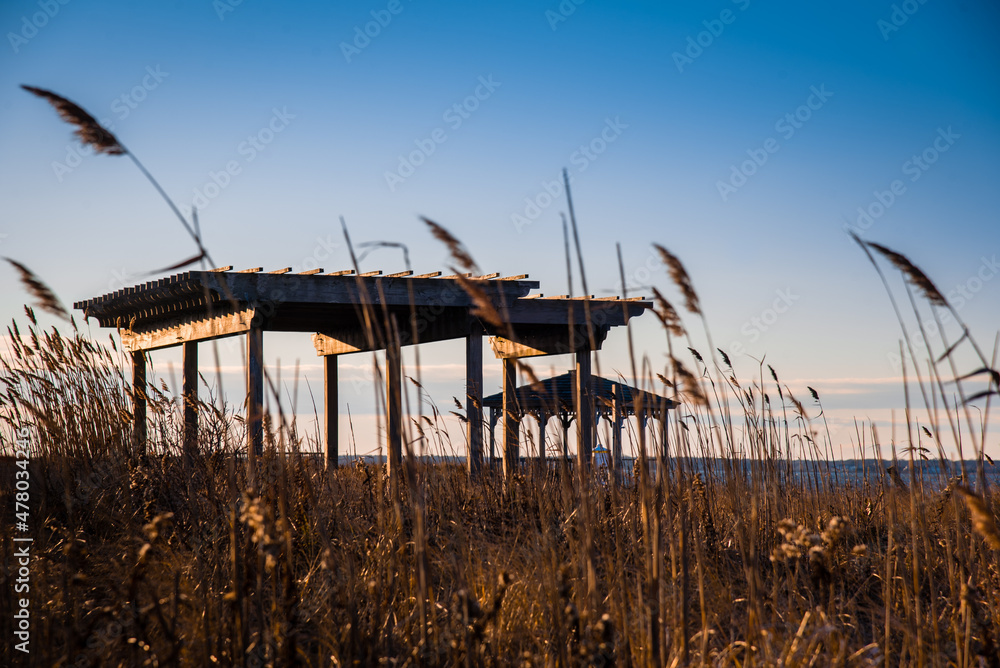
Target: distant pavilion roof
[(555, 396)]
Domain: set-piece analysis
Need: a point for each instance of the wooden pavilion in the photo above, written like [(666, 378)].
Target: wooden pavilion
[(349, 313), (556, 397)]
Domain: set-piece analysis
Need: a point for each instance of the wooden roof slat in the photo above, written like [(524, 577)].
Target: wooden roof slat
[(454, 276), (342, 272), (228, 267), (433, 274), (253, 270), (486, 277), (284, 270), (310, 272), (370, 273), (399, 274), (538, 296), (513, 278)]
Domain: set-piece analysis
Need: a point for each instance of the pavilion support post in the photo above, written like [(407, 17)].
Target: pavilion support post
[(331, 418), (565, 419), (494, 418), (616, 433), (394, 409), (511, 418), (255, 398), (584, 408), (139, 403), (190, 397), (474, 397), (664, 427)]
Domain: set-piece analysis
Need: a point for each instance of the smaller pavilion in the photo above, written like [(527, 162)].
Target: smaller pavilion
[(556, 397)]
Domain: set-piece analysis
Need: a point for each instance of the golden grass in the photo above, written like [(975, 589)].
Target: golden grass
[(175, 561)]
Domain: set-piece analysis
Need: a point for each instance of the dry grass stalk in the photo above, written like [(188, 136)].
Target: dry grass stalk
[(483, 307), (529, 372), (667, 314), (88, 130), (982, 519), (44, 297), (680, 276), (912, 273), (456, 247), (690, 383)]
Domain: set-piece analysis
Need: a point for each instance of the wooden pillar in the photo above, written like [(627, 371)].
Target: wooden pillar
[(664, 425), (494, 418), (584, 408), (331, 424), (616, 432), (474, 397), (139, 403), (565, 420), (511, 418), (255, 398), (394, 409), (190, 397)]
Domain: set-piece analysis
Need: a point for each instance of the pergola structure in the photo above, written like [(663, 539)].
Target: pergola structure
[(349, 313), (556, 397)]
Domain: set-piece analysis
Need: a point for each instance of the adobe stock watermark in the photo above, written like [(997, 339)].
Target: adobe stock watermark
[(714, 28), (757, 325), (581, 158), (562, 12), (915, 167), (248, 150), (959, 297), (223, 7), (898, 17), (363, 35), (31, 25), (786, 126), (454, 116), (22, 542), (122, 107)]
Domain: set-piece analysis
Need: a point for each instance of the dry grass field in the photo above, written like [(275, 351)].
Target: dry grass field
[(175, 559)]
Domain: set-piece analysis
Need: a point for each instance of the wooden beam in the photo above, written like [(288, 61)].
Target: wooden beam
[(547, 340), (431, 326), (394, 411), (255, 399), (331, 418), (190, 397), (315, 290), (511, 419), (139, 403), (584, 409), (544, 311), (474, 396), (186, 328)]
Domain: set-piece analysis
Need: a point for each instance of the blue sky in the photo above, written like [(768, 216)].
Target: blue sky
[(654, 110)]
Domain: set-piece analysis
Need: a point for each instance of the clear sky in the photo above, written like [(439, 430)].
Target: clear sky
[(741, 135)]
